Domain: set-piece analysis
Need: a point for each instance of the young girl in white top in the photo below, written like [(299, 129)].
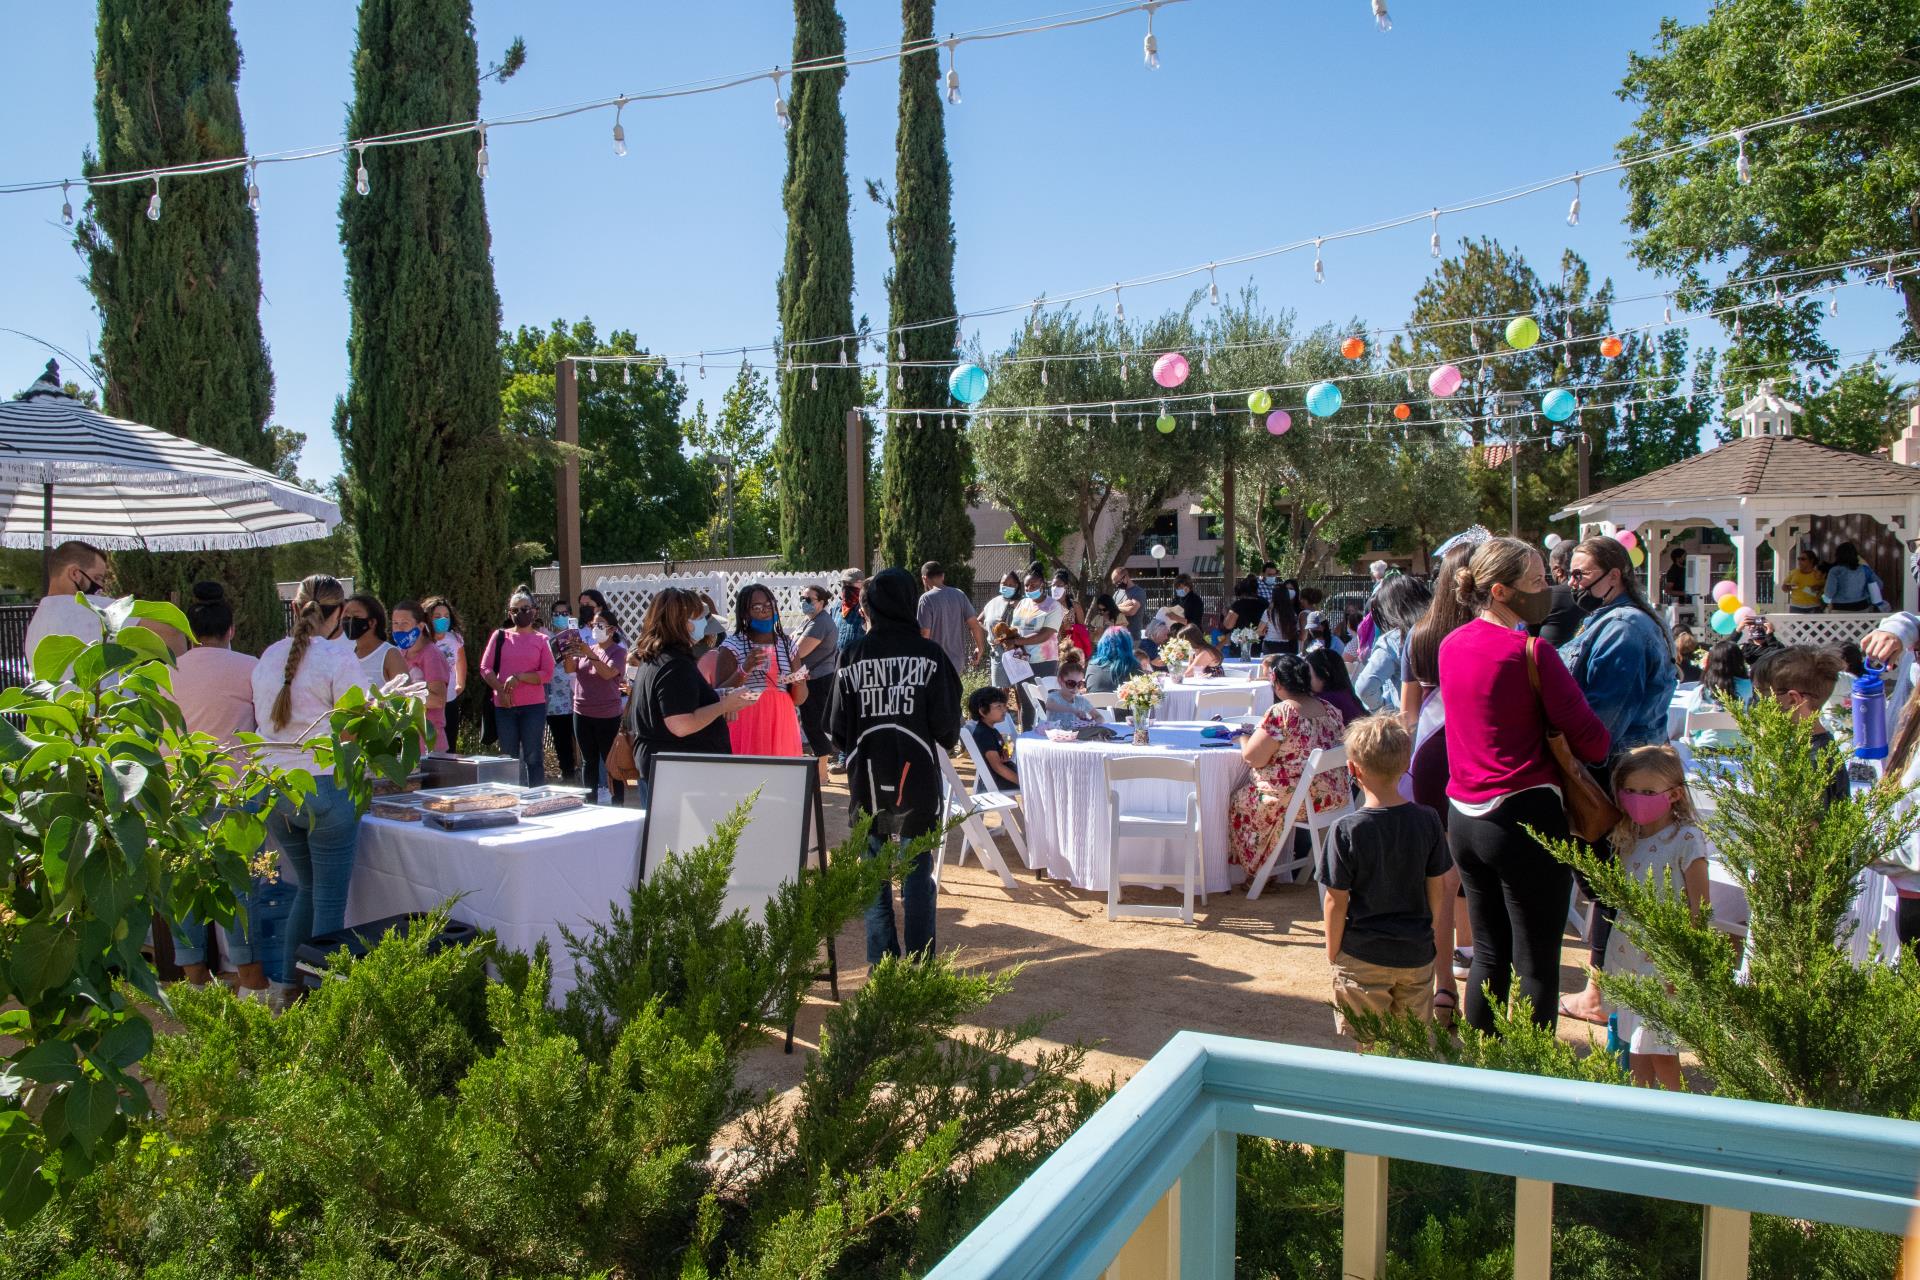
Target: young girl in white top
[(1659, 836)]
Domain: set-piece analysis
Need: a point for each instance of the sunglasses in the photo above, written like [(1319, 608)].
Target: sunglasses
[(1071, 684)]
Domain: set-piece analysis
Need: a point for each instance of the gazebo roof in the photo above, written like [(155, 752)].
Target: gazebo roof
[(1760, 467)]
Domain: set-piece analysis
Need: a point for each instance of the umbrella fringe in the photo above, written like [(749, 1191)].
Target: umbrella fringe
[(175, 542)]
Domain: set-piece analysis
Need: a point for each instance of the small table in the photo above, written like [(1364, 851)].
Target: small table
[(1179, 702), (523, 882), (1064, 790)]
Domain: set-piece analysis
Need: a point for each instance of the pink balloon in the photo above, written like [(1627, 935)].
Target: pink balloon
[(1445, 380), (1279, 422), (1628, 539), (1743, 615), (1724, 588), (1170, 370)]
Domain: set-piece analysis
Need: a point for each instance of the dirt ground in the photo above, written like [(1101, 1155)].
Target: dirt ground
[(1243, 968)]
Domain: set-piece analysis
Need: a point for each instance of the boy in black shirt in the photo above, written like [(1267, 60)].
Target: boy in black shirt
[(986, 712), (1383, 883)]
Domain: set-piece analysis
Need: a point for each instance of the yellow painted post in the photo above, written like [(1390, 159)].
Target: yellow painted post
[(1152, 1252), (1724, 1234), (1364, 1237), (1532, 1229)]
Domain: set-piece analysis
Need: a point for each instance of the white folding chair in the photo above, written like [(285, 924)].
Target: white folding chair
[(1107, 704), (1154, 824), (1005, 803), (1301, 813), (971, 810), (1226, 703), (1699, 718)]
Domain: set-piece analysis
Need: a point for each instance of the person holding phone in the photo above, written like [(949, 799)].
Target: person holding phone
[(759, 656)]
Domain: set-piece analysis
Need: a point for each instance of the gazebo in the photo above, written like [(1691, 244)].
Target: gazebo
[(1770, 488)]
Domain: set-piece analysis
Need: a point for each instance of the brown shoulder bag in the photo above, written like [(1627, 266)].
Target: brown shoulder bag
[(1590, 811)]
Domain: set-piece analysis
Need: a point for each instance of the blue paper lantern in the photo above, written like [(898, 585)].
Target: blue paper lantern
[(967, 383), (1323, 399), (1558, 405)]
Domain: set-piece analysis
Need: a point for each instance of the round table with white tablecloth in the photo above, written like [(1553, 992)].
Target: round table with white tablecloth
[(1064, 791), (1179, 702)]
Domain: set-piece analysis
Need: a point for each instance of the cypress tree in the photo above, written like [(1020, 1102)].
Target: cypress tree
[(419, 426), (923, 504), (179, 298), (816, 302)]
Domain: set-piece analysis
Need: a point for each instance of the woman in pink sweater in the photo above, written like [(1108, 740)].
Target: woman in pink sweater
[(1503, 776)]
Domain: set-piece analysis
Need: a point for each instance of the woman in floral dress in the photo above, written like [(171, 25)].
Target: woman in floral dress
[(1295, 727)]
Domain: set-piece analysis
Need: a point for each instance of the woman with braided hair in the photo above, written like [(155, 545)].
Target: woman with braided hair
[(296, 683)]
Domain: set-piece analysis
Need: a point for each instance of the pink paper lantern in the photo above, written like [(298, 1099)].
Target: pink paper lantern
[(1279, 422), (1445, 380), (1724, 588), (1170, 370), (1628, 539)]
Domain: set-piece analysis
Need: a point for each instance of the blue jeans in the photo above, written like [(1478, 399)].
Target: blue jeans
[(319, 839), (917, 892), (190, 937), (523, 733)]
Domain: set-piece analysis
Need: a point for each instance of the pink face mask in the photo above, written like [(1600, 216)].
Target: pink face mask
[(1645, 809)]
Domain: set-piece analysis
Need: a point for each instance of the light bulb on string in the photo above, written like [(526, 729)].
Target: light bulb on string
[(1741, 168), (1319, 268), (843, 351), (899, 379), (1380, 18), (1113, 411), (1119, 307), (1043, 372), (1736, 325), (360, 182), (619, 130), (253, 186), (592, 375), (626, 369), (1573, 210), (1666, 311), (1206, 359), (153, 203), (1433, 240), (480, 160), (814, 380), (1152, 45), (1889, 275), (66, 204), (1833, 301), (703, 364), (953, 75), (780, 103), (1213, 287)]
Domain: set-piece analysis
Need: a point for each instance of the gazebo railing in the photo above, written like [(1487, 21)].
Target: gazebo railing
[(1146, 1187)]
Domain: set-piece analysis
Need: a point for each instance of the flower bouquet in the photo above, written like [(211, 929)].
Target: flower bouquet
[(1245, 638), (1140, 696), (1176, 653)]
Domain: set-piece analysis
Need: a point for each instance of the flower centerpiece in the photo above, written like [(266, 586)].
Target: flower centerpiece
[(1140, 696), (1245, 638), (1176, 653)]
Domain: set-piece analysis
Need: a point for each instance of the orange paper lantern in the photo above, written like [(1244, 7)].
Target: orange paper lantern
[(1353, 348), (1609, 346), (1402, 412)]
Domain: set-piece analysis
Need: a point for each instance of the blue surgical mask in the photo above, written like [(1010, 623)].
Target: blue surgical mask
[(696, 627), (760, 626), (1008, 593), (406, 639), (1036, 595), (809, 608), (442, 625)]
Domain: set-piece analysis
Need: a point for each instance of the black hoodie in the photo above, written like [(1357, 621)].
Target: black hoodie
[(895, 709)]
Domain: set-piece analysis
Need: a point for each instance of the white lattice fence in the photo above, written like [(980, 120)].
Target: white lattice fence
[(1821, 630), (629, 596)]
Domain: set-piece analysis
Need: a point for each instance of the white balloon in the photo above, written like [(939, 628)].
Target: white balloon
[(1552, 540)]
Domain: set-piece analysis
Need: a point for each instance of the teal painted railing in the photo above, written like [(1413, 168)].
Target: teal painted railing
[(1146, 1187)]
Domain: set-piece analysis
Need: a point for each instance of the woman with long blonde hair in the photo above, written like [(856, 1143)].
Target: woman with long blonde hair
[(296, 683)]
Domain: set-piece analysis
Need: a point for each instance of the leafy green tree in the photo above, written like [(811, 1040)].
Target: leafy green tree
[(179, 297), (923, 476), (419, 426), (734, 451), (1835, 188), (1646, 437), (638, 490), (816, 301), (1863, 409)]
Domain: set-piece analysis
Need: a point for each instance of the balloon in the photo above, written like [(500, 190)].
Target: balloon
[(1609, 346), (1743, 615), (1558, 405), (1170, 370), (1165, 424), (1729, 604), (1724, 588), (1553, 540), (1637, 556), (1522, 332), (1608, 528), (967, 383), (1353, 348), (1402, 412), (1279, 422), (1259, 402), (1723, 624), (1445, 380), (1323, 399), (1628, 539)]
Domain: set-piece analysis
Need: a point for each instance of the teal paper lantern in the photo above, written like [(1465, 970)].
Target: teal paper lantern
[(1323, 399), (967, 383), (1558, 405)]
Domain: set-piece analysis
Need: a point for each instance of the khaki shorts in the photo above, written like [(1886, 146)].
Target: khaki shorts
[(1378, 989)]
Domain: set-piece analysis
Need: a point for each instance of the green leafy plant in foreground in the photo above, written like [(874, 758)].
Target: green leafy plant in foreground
[(110, 810)]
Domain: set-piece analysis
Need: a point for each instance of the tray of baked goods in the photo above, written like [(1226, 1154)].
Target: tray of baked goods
[(479, 797), (535, 801)]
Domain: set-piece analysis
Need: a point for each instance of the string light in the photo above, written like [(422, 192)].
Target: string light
[(66, 204), (1433, 241), (360, 182), (1889, 271), (780, 103), (480, 162), (1152, 45), (1043, 373), (843, 352), (620, 130), (1573, 210), (953, 76), (1119, 307), (814, 380), (1380, 18), (1741, 168), (253, 187), (1319, 268), (153, 203), (1666, 311), (703, 364), (627, 370), (1833, 301), (1213, 286)]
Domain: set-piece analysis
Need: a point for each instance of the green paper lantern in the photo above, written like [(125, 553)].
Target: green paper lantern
[(1522, 332), (1259, 402), (1165, 423)]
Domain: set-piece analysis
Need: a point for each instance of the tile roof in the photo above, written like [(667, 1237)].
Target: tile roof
[(1766, 466)]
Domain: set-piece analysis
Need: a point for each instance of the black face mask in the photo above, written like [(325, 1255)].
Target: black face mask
[(1587, 600), (586, 615), (354, 628)]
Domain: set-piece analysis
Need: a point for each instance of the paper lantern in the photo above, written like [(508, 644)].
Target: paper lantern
[(1165, 424), (1402, 412), (1170, 370), (1259, 402), (1522, 332), (1636, 556), (1279, 422), (1743, 615), (1724, 588), (1609, 346), (967, 383), (1723, 624), (1558, 405), (1445, 380), (1353, 348), (1552, 540), (1323, 399), (1628, 539), (1729, 604)]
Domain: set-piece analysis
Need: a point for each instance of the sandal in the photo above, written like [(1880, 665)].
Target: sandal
[(1443, 1013), (1565, 1012)]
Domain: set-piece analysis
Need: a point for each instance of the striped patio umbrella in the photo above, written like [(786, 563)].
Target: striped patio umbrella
[(69, 472)]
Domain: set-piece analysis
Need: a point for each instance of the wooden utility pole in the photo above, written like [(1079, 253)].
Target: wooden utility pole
[(856, 490), (566, 398), (1229, 525)]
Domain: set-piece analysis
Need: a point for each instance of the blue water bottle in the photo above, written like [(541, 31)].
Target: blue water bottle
[(1870, 714)]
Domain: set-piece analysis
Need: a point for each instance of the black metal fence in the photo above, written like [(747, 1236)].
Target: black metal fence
[(14, 670)]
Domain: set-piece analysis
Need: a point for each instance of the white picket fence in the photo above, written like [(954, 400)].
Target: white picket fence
[(630, 595)]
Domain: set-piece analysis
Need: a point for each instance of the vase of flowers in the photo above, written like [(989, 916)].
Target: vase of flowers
[(1176, 653), (1244, 639), (1140, 696)]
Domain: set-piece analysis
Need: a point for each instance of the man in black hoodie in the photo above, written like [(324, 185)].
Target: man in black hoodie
[(895, 712)]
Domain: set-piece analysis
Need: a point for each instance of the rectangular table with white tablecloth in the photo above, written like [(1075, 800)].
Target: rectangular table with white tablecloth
[(1064, 791), (522, 882)]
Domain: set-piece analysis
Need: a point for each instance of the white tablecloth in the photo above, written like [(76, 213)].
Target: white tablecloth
[(1677, 709), (1178, 701), (1063, 788), (523, 882), (1875, 913)]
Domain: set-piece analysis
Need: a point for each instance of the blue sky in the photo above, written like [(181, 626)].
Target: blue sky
[(1073, 164)]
